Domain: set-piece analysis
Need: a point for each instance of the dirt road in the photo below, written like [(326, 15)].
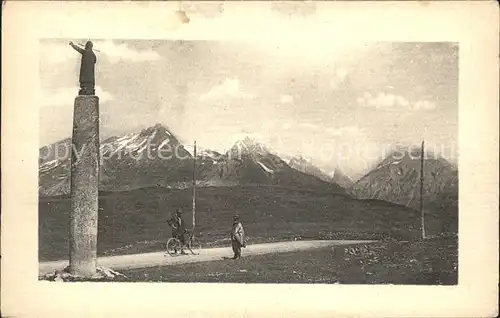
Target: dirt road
[(122, 262)]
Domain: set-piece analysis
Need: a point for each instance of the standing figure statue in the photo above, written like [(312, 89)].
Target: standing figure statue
[(87, 77)]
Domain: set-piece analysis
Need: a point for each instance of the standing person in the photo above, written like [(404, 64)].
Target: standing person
[(178, 228), (237, 237)]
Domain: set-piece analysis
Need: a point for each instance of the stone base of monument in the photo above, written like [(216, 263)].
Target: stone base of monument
[(102, 275), (84, 189)]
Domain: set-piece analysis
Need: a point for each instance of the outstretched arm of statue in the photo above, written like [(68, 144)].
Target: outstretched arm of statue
[(78, 49)]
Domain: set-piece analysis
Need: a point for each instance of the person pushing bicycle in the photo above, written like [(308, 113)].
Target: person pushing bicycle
[(178, 228)]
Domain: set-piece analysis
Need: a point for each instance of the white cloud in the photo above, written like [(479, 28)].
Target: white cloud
[(66, 96), (309, 126), (230, 88), (305, 49), (117, 52), (341, 131), (383, 100), (348, 130), (387, 101), (286, 99), (425, 105), (334, 131), (55, 53)]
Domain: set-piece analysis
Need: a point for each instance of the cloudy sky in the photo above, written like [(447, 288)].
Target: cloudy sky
[(336, 103)]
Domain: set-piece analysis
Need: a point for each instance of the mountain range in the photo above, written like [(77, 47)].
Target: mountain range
[(154, 156), (145, 175), (397, 179), (336, 176)]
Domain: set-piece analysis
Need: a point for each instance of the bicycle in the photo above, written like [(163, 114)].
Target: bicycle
[(192, 244)]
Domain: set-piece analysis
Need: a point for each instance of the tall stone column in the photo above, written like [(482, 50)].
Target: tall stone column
[(84, 187)]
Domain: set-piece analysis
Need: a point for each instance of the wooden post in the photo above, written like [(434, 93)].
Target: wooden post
[(422, 190), (194, 187), (84, 187)]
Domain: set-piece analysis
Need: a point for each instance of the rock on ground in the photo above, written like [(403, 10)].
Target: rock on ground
[(102, 274)]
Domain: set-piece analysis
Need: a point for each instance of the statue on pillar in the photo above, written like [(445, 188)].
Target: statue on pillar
[(87, 77)]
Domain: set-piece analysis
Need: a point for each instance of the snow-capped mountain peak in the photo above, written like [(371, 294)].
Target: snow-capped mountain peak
[(203, 153), (299, 160), (248, 146), (156, 136), (306, 165), (396, 178)]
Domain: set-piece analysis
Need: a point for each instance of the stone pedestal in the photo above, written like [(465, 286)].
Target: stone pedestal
[(84, 187)]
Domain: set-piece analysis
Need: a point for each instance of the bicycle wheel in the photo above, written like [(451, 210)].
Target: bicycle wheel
[(173, 246), (194, 246)]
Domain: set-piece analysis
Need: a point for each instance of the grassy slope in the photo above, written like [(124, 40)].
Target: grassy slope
[(135, 221), (429, 262)]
